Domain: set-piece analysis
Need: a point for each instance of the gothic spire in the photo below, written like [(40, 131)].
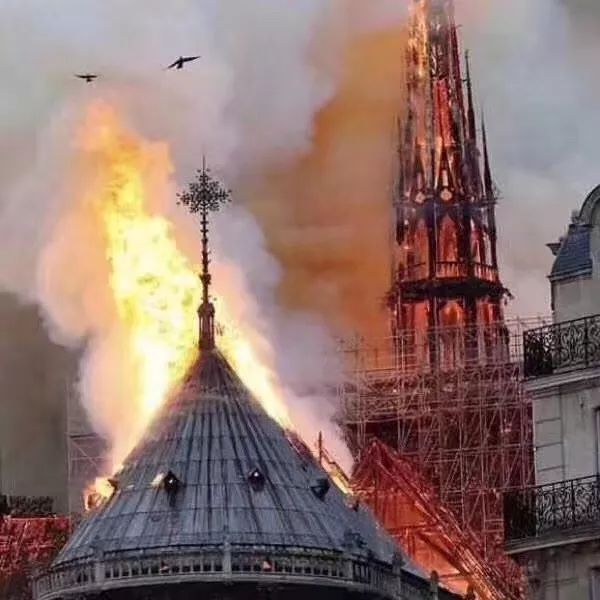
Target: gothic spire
[(471, 131), (205, 195), (487, 171)]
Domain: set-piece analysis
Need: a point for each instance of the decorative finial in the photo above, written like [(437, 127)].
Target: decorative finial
[(487, 170), (471, 131), (203, 196)]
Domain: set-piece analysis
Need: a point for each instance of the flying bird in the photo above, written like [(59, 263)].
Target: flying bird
[(87, 77), (178, 64)]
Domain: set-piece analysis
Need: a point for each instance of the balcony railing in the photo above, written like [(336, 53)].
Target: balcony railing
[(449, 270), (552, 508), (566, 346)]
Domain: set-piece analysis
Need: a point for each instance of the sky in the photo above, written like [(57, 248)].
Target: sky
[(535, 79), (533, 66)]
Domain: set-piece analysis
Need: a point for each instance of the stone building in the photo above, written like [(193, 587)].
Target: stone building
[(554, 528)]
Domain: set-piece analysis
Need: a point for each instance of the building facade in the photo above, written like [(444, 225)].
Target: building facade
[(553, 529)]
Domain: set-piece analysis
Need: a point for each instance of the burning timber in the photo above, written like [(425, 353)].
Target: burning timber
[(447, 400), (216, 501)]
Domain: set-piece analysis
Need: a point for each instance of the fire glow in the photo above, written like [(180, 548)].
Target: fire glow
[(154, 286)]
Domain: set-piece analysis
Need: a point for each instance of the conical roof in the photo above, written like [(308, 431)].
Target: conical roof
[(216, 487)]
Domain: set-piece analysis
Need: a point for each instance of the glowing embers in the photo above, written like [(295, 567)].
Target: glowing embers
[(448, 265), (101, 491), (417, 253), (320, 487), (257, 480)]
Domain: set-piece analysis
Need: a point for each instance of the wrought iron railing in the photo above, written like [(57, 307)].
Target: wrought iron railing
[(552, 508), (565, 346)]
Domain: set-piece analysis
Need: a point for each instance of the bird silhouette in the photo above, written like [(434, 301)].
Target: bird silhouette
[(178, 64), (87, 77)]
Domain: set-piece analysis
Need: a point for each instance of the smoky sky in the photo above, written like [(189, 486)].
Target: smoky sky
[(535, 79), (534, 64), (269, 71)]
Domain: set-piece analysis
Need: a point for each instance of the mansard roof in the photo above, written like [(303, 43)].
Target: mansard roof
[(573, 252), (574, 255)]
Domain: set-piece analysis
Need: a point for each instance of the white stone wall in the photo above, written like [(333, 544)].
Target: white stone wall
[(565, 414), (567, 575), (565, 429), (576, 298)]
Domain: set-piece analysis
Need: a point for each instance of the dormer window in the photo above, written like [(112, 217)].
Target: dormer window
[(320, 487), (256, 480)]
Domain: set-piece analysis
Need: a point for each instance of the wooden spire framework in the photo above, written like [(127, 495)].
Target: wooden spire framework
[(444, 391)]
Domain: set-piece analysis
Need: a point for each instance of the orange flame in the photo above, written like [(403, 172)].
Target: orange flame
[(154, 285)]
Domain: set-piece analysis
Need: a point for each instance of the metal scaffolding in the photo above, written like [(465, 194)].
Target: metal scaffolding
[(465, 423), (87, 452)]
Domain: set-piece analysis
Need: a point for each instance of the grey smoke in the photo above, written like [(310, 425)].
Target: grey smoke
[(267, 68), (535, 75)]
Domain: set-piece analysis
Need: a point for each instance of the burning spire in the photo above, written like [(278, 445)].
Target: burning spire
[(203, 196), (445, 262)]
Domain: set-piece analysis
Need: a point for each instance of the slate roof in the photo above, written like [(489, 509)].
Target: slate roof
[(212, 435), (574, 255)]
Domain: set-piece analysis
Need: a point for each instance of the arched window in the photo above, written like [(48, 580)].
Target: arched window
[(419, 266), (451, 337), (448, 240), (487, 246), (477, 243), (448, 248), (452, 315)]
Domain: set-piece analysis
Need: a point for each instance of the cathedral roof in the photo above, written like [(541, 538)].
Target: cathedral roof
[(215, 486)]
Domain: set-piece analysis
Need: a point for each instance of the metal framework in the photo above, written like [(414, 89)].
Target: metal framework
[(407, 506), (26, 543), (87, 452), (467, 429)]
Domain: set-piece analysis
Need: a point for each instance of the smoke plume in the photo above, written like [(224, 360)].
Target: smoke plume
[(295, 106), (249, 104), (531, 62)]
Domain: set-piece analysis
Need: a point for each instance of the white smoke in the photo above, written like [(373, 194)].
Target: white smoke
[(266, 70)]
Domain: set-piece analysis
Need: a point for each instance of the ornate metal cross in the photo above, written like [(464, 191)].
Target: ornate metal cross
[(205, 195)]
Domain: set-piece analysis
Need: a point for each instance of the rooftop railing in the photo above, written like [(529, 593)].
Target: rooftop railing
[(562, 347), (449, 270), (552, 508)]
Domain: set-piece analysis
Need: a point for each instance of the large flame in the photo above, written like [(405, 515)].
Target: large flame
[(154, 285)]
